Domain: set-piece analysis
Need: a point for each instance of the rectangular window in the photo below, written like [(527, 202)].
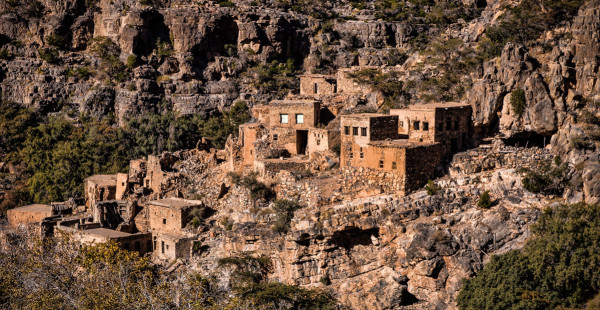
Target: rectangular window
[(316, 88), (275, 137), (440, 126), (416, 125), (164, 221), (381, 164), (363, 131), (455, 125), (351, 154), (355, 131), (448, 124), (394, 165), (362, 155), (425, 126), (318, 142), (299, 118), (283, 118), (346, 130)]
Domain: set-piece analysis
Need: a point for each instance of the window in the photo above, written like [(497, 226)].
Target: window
[(165, 221), (425, 126), (448, 124), (318, 142), (363, 131), (355, 131), (299, 118), (455, 125), (401, 124), (393, 165), (416, 125), (346, 130), (283, 118), (440, 126), (275, 137), (351, 154), (362, 155), (381, 164), (316, 88)]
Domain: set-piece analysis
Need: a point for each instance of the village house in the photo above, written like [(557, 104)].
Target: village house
[(100, 187), (29, 215), (167, 220)]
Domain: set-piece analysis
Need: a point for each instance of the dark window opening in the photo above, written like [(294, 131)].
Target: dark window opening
[(425, 126), (416, 125), (448, 124), (381, 164), (275, 137), (165, 221), (363, 131), (346, 130), (355, 131), (393, 165), (455, 125)]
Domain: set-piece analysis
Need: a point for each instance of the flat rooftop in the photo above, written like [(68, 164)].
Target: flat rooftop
[(292, 102), (436, 105), (401, 143), (34, 208), (103, 179), (176, 203), (365, 115), (106, 233)]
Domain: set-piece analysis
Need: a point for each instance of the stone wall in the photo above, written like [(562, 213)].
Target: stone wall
[(316, 85), (421, 164), (268, 168), (373, 181)]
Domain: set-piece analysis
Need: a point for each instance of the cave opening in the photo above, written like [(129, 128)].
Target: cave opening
[(351, 237), (527, 139)]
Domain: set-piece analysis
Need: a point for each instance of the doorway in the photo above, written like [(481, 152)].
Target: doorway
[(301, 141)]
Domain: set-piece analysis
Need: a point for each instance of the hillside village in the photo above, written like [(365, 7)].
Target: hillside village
[(316, 132)]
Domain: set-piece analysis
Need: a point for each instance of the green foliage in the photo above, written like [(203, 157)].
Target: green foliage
[(152, 3), (15, 123), (258, 190), (82, 73), (132, 62), (163, 49), (48, 55), (281, 296), (284, 211), (109, 52), (484, 202), (546, 179), (388, 84), (274, 77), (558, 267), (526, 22), (396, 57), (581, 142), (431, 188), (5, 54), (56, 40), (226, 3), (518, 102), (60, 155)]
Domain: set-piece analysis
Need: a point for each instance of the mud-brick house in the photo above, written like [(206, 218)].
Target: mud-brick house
[(167, 220), (316, 85), (372, 153), (447, 123), (99, 187), (29, 215)]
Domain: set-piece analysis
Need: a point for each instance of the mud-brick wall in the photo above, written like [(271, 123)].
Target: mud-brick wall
[(421, 163), (382, 128)]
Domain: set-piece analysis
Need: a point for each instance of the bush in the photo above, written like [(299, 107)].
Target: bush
[(546, 179), (388, 84), (5, 54), (282, 296), (557, 268), (57, 41), (484, 202), (284, 212), (432, 188), (48, 55), (581, 142), (517, 101), (132, 62), (274, 77)]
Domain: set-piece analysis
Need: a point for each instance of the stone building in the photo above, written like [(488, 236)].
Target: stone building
[(371, 143), (167, 220), (98, 188), (315, 85), (447, 123), (31, 214)]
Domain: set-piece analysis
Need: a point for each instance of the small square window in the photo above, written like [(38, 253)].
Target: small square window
[(355, 131), (275, 137), (346, 130), (351, 155), (283, 118), (425, 126), (416, 125), (393, 165), (299, 118), (381, 164), (363, 131)]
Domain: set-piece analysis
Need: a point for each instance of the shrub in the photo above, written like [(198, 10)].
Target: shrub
[(48, 55), (5, 54), (258, 190), (274, 77), (56, 40), (517, 101), (132, 62), (556, 269), (581, 142), (226, 3), (546, 179), (432, 188), (284, 212), (484, 202), (388, 84)]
